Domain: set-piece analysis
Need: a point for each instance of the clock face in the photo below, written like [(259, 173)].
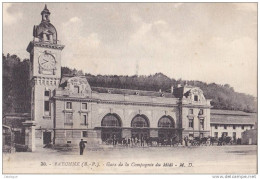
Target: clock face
[(47, 61)]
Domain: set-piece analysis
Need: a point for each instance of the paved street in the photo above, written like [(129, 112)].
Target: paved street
[(203, 159)]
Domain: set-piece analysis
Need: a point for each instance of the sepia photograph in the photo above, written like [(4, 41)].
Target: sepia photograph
[(129, 88)]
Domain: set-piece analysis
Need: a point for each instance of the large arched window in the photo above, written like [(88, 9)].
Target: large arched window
[(140, 121), (166, 121), (111, 120)]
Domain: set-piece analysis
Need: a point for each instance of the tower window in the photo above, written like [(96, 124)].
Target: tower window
[(47, 93), (216, 126), (191, 123), (202, 124), (225, 126), (46, 106), (196, 98), (84, 106), (84, 120), (68, 105)]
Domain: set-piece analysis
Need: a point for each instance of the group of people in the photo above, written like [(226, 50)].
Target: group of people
[(135, 141), (147, 141), (210, 141)]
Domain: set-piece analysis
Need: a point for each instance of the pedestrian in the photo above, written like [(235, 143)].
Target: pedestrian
[(114, 140), (186, 140), (171, 141), (128, 141), (211, 141), (81, 146), (142, 141), (146, 140)]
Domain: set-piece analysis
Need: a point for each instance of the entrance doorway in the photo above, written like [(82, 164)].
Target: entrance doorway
[(166, 127), (111, 126), (140, 125), (46, 137)]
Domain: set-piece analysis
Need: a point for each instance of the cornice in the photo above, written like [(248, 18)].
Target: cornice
[(45, 45), (196, 105), (114, 102)]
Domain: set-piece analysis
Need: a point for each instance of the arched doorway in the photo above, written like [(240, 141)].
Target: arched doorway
[(166, 127), (111, 125), (140, 127)]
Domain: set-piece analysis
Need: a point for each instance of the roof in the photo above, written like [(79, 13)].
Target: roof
[(65, 79), (230, 112), (132, 92), (231, 120), (232, 117)]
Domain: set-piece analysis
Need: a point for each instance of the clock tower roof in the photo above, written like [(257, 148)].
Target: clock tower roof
[(45, 32)]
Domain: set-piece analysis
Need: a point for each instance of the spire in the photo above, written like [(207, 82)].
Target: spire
[(45, 14), (45, 10)]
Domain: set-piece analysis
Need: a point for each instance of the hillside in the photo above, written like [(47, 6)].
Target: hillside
[(16, 90)]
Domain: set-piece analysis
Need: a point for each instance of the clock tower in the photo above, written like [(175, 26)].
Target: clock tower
[(45, 73)]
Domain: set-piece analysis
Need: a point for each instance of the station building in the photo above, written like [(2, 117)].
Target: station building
[(65, 109)]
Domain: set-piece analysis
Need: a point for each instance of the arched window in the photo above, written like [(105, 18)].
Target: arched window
[(166, 121), (140, 121), (111, 120)]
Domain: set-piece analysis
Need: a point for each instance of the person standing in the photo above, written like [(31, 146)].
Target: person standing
[(186, 140), (81, 146), (142, 141), (128, 142), (114, 140)]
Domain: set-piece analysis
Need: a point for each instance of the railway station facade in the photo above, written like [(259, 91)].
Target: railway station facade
[(65, 109)]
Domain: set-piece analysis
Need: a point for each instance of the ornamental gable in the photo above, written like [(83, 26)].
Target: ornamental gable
[(75, 87)]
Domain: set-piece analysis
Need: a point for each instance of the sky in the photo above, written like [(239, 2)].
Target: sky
[(209, 42)]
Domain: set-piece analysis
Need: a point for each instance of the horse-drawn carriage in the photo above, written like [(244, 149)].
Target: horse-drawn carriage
[(225, 141), (197, 141), (158, 141)]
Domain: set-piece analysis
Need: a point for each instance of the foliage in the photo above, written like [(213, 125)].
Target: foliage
[(222, 96), (16, 87)]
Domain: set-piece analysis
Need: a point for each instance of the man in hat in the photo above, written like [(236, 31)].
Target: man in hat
[(81, 146)]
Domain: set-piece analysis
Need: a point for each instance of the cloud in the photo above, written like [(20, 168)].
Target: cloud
[(81, 48), (8, 17), (195, 55), (153, 40), (183, 47)]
